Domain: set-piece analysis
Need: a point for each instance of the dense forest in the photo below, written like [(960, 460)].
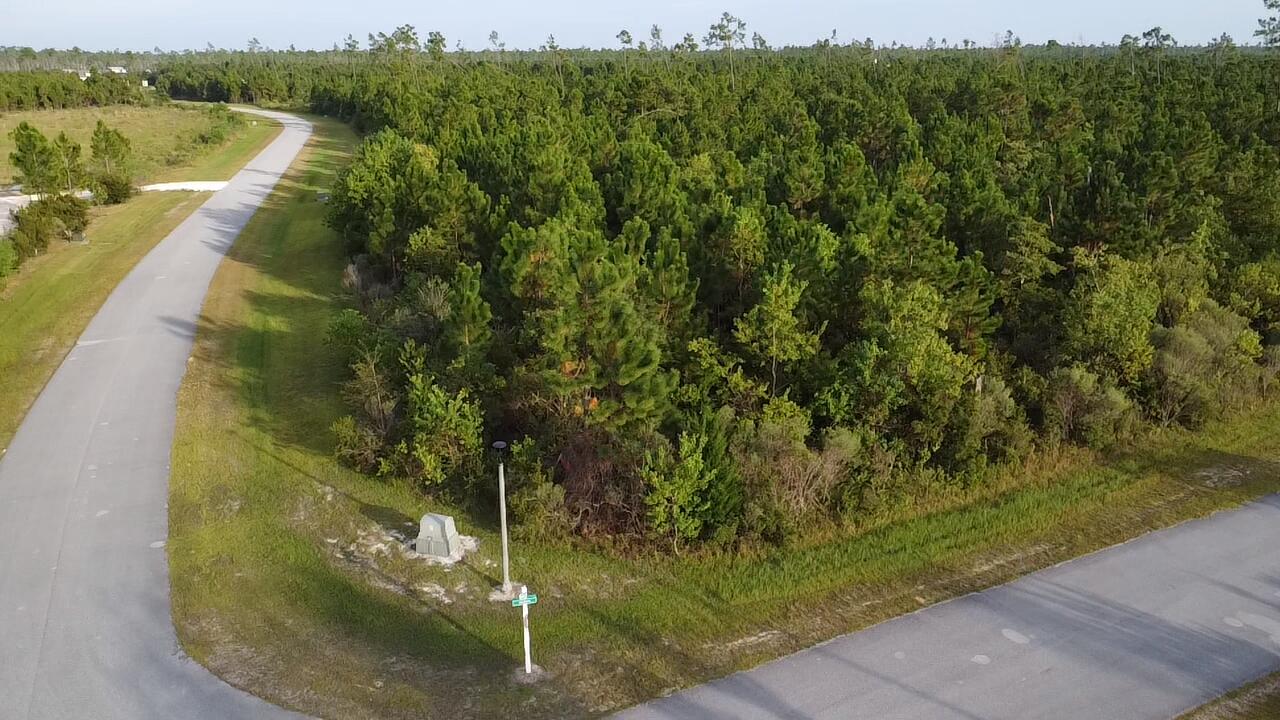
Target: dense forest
[(713, 296)]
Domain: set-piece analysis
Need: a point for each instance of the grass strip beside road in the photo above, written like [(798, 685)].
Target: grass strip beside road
[(46, 306), (49, 302), (290, 579), (1258, 700), (224, 161)]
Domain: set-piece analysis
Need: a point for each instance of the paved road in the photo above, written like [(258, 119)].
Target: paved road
[(1143, 630), (85, 629)]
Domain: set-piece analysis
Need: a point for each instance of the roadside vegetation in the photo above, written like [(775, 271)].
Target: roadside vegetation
[(1256, 701), (164, 139), (47, 301), (720, 301), (785, 343)]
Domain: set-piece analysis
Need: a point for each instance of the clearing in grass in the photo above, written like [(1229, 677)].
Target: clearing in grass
[(291, 579)]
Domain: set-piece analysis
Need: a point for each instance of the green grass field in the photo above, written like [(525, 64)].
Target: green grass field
[(157, 134), (288, 578)]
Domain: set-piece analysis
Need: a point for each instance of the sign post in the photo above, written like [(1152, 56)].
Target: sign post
[(523, 602)]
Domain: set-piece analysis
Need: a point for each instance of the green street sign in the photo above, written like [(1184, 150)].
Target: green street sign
[(529, 600)]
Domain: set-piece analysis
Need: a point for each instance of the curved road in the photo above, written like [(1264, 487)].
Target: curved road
[(85, 628), (1140, 631)]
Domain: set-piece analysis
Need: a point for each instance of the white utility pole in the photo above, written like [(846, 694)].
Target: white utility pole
[(502, 509)]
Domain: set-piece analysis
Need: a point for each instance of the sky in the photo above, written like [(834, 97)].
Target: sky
[(181, 24)]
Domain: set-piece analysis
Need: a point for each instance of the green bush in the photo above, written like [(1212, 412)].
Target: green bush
[(112, 188), (786, 481), (441, 433), (1270, 366), (987, 425), (8, 258), (1202, 365), (676, 489), (1082, 407), (724, 495), (70, 211), (537, 503), (56, 217), (32, 232), (356, 444)]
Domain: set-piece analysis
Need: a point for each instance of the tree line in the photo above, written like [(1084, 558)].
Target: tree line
[(42, 90), (714, 297)]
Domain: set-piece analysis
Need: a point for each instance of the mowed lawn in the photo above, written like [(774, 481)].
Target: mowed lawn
[(159, 135), (289, 576), (45, 307), (48, 303)]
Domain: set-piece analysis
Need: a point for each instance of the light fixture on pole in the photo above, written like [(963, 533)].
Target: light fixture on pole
[(502, 511)]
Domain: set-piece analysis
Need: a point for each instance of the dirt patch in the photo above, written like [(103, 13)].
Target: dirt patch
[(761, 638), (1012, 559), (1222, 476)]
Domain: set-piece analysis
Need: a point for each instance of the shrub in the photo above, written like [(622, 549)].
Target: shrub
[(356, 444), (786, 480), (1084, 408), (1202, 365), (349, 331), (1109, 316), (1255, 292), (32, 231), (8, 258), (537, 503), (722, 511), (987, 425), (47, 219), (441, 433), (1270, 366), (69, 210), (112, 188), (676, 489)]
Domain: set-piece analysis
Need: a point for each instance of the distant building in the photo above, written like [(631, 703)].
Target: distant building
[(117, 70)]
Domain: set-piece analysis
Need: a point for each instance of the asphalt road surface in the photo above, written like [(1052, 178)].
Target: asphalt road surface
[(85, 628), (1147, 629)]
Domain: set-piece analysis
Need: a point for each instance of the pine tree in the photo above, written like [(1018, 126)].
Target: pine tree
[(671, 288), (676, 488), (601, 349), (68, 165), (111, 150), (35, 160), (771, 330), (1269, 28), (467, 328)]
